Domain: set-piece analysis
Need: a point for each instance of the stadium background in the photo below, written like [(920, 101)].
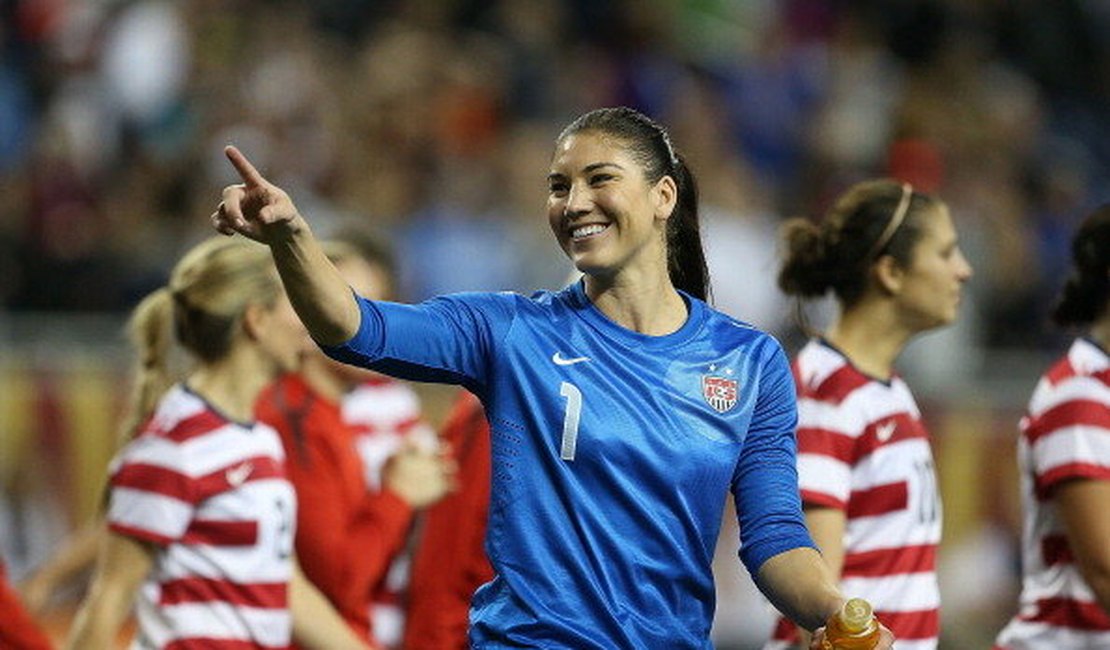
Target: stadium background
[(431, 121)]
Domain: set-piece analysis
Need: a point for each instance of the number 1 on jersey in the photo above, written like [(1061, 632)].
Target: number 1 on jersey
[(570, 419)]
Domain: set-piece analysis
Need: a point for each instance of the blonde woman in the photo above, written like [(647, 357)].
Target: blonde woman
[(200, 516)]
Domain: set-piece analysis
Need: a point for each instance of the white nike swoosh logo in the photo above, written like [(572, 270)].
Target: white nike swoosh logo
[(885, 431), (237, 475), (562, 361)]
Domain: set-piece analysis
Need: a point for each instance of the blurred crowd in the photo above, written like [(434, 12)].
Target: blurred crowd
[(432, 121)]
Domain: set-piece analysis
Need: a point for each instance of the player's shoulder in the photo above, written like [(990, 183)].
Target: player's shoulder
[(501, 301), (1081, 376), (180, 416), (1084, 359), (736, 332), (823, 373), (1083, 370), (543, 303)]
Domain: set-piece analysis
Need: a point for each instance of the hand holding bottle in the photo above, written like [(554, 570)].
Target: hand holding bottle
[(853, 627)]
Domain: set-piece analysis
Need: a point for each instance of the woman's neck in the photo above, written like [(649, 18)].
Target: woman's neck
[(870, 338), (649, 306), (1100, 330), (232, 384)]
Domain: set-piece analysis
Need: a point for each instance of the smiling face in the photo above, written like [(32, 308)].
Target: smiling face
[(930, 288), (606, 216)]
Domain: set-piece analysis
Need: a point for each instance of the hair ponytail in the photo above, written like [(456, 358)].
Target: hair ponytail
[(686, 263), (804, 272), (199, 310), (150, 331)]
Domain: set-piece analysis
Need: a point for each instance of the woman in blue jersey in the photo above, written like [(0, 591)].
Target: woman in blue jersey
[(622, 408)]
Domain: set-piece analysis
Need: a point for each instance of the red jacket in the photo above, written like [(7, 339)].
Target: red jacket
[(346, 536), (450, 561), (18, 631)]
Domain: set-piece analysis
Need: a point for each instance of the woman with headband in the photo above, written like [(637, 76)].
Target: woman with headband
[(891, 259)]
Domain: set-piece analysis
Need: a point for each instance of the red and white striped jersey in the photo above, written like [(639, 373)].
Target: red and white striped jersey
[(384, 413), (863, 449), (213, 496), (1064, 435)]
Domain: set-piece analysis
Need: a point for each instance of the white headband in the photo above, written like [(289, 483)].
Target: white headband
[(895, 221)]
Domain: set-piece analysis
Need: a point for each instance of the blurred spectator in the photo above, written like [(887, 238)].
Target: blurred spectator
[(107, 114)]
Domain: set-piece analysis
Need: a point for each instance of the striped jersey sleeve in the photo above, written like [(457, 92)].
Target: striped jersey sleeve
[(155, 489), (1065, 435), (1068, 422), (828, 428)]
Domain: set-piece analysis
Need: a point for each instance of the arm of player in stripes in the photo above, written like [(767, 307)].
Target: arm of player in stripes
[(1082, 507), (76, 555), (316, 624), (122, 564)]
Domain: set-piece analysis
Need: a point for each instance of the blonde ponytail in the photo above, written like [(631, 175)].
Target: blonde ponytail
[(198, 312), (150, 331)]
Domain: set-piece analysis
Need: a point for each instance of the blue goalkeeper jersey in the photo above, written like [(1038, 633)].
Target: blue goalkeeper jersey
[(613, 453)]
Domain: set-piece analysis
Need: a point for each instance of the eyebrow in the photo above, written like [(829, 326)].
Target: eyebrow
[(587, 169)]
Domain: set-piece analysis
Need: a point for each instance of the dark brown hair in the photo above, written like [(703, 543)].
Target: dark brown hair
[(1083, 299), (871, 219)]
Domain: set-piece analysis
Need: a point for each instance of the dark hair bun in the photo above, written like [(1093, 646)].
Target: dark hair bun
[(806, 268)]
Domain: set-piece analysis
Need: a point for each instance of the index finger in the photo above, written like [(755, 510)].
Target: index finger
[(243, 166)]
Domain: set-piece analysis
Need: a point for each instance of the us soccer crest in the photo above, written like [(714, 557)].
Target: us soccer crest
[(719, 392)]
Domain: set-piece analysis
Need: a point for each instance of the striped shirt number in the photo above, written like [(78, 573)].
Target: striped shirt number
[(284, 530), (571, 414), (929, 509)]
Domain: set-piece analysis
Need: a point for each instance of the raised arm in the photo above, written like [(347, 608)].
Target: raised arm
[(260, 210)]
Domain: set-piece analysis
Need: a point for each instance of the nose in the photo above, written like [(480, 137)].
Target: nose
[(579, 201), (964, 271)]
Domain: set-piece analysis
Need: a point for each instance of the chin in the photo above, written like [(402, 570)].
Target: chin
[(585, 266), (945, 320)]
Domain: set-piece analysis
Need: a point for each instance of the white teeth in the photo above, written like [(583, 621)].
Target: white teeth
[(586, 231)]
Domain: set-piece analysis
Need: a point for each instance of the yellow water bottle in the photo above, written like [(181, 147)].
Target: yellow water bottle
[(854, 627)]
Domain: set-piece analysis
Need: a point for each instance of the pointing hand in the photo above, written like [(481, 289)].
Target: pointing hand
[(255, 208)]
